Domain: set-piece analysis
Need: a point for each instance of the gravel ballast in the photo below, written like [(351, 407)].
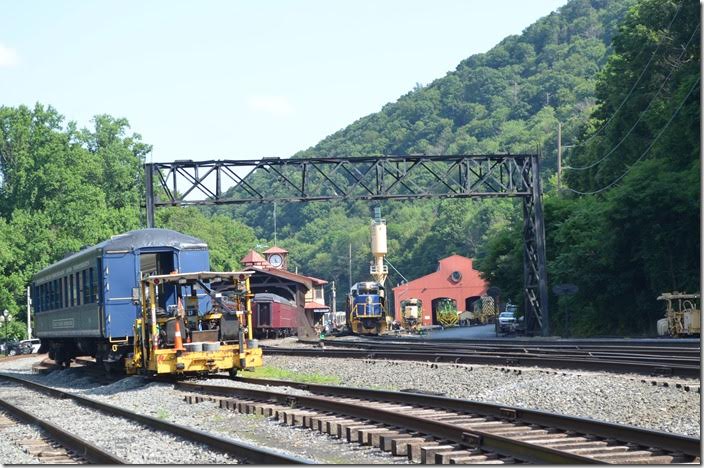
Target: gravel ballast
[(620, 399), (129, 441)]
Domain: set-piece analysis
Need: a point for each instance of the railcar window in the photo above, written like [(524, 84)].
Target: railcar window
[(78, 288), (66, 300), (91, 282), (86, 289), (94, 282), (72, 293)]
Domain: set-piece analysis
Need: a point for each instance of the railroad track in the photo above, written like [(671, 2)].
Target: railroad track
[(647, 361), (244, 452), (55, 445), (433, 429)]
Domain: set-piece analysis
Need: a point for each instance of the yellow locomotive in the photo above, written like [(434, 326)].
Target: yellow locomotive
[(209, 331)]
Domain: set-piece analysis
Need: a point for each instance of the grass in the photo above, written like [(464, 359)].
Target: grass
[(162, 414), (269, 372)]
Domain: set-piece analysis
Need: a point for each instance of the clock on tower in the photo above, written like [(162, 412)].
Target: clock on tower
[(277, 257)]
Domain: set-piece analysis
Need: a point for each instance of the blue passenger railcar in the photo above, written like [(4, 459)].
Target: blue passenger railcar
[(86, 303)]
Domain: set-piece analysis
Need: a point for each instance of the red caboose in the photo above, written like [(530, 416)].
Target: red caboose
[(273, 316)]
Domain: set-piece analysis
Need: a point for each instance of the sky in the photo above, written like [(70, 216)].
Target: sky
[(235, 79)]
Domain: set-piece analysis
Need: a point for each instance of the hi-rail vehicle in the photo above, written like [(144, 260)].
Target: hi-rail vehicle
[(86, 304), (181, 339)]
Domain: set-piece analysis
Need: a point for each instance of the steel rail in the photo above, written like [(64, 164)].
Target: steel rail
[(622, 366), (668, 441), (693, 351), (538, 341), (247, 452), (470, 438), (80, 447), (684, 355)]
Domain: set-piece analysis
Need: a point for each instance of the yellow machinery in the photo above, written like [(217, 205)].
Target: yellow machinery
[(182, 340), (411, 314), (683, 316)]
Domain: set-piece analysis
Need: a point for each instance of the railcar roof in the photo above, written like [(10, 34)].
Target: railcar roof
[(137, 239)]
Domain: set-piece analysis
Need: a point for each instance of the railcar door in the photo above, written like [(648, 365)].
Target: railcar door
[(119, 280), (159, 263)]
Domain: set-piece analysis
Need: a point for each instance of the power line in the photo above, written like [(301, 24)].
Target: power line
[(642, 73), (662, 130), (640, 115)]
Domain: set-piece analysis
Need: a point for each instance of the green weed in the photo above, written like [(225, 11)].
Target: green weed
[(269, 372)]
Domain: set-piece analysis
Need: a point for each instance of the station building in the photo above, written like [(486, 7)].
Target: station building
[(271, 276), (455, 278)]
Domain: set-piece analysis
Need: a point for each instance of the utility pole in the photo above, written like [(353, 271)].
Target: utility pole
[(559, 156), (350, 267), (29, 315), (274, 224), (334, 300)]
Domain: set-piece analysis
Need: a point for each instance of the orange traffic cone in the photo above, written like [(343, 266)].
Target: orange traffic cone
[(178, 341)]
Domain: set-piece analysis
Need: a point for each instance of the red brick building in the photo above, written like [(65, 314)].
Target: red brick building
[(455, 278)]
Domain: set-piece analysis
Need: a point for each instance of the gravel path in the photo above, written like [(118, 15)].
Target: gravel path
[(607, 397)]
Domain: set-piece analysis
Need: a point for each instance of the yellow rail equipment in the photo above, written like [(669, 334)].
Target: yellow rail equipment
[(218, 340)]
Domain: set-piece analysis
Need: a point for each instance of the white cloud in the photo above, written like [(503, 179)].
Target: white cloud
[(274, 105), (8, 56)]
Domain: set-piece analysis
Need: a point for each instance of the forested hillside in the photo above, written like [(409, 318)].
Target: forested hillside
[(509, 99), (628, 226)]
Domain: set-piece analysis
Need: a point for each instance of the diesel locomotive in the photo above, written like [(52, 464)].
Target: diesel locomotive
[(366, 309)]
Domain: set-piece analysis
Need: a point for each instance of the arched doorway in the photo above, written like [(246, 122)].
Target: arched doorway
[(440, 302)]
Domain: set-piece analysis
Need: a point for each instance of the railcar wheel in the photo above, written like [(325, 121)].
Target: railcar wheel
[(232, 372)]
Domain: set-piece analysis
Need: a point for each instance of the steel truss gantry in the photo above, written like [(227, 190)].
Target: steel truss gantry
[(226, 182)]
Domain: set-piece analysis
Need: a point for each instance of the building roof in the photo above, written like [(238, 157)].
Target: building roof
[(254, 258), (287, 275), (317, 281), (443, 276), (275, 249), (315, 305)]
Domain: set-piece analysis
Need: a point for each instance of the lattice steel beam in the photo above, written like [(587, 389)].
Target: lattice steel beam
[(270, 180)]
